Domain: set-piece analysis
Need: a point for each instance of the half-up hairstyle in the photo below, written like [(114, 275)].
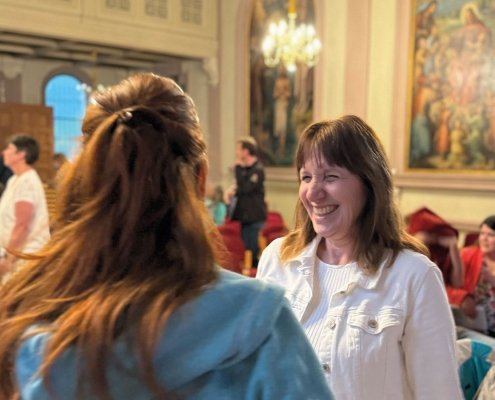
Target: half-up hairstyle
[(119, 260), (350, 143)]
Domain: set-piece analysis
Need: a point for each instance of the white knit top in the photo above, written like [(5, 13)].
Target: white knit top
[(328, 279)]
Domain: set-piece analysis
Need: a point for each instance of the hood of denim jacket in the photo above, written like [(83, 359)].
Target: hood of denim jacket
[(223, 326)]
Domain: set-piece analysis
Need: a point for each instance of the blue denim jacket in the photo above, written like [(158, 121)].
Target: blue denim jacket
[(238, 340)]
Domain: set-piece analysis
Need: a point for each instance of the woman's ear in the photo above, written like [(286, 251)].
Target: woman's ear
[(203, 174)]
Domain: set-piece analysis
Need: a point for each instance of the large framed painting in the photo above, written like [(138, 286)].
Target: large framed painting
[(280, 101), (450, 122)]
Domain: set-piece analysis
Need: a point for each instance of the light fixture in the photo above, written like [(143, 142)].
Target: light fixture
[(89, 89), (290, 45), (95, 87)]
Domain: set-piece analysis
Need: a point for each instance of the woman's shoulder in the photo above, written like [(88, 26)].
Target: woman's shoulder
[(413, 265), (470, 251), (237, 285), (223, 326), (274, 247), (236, 299)]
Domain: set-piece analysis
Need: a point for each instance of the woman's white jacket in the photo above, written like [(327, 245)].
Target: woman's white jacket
[(389, 336)]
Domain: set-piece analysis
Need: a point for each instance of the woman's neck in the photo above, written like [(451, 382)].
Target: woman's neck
[(20, 169), (336, 253), (490, 262)]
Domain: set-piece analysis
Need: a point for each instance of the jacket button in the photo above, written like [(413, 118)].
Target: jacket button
[(331, 323), (326, 368), (372, 324)]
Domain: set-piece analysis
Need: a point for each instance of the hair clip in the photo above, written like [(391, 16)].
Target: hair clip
[(124, 116)]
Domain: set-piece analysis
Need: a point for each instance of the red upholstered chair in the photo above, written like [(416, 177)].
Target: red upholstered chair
[(234, 260), (237, 258), (471, 239), (275, 234), (273, 217), (230, 227), (269, 229)]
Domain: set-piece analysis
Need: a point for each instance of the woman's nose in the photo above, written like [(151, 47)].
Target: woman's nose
[(314, 190)]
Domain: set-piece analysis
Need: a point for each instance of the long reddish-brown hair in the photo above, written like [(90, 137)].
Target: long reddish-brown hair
[(128, 213), (351, 143)]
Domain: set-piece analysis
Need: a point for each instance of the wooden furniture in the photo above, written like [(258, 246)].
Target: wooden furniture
[(36, 121)]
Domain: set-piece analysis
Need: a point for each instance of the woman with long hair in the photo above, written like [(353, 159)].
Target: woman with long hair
[(126, 301), (371, 303)]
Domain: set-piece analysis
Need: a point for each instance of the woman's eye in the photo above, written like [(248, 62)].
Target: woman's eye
[(305, 178), (330, 178)]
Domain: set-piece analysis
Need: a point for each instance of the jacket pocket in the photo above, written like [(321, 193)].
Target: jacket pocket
[(374, 323), (374, 343)]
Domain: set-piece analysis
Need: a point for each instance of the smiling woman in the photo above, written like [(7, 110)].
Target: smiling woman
[(479, 277), (372, 305), (333, 198)]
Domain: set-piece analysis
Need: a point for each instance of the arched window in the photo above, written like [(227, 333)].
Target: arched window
[(63, 93)]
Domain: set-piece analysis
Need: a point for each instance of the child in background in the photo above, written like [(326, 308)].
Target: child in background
[(215, 205)]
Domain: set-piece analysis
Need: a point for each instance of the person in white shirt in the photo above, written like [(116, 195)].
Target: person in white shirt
[(371, 303), (24, 224)]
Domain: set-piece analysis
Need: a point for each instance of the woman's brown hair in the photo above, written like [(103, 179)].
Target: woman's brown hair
[(128, 214), (350, 143)]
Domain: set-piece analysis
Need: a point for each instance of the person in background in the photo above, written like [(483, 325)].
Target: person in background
[(5, 174), (479, 276), (371, 303), (249, 191), (24, 225), (441, 240), (126, 301), (59, 164), (215, 205)]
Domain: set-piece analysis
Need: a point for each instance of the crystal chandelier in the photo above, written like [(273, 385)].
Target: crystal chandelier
[(290, 45)]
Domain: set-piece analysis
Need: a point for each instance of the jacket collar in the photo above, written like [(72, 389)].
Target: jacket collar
[(307, 259)]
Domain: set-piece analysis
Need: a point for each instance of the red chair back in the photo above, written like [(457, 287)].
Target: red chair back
[(275, 235), (235, 258), (274, 217), (269, 228), (471, 239), (230, 227)]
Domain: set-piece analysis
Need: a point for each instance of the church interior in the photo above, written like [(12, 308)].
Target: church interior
[(363, 70), (421, 73)]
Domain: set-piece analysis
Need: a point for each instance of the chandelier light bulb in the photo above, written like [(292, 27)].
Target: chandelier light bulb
[(282, 27), (272, 29), (291, 67)]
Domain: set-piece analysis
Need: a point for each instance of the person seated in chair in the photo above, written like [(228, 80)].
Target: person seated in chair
[(441, 240), (479, 276)]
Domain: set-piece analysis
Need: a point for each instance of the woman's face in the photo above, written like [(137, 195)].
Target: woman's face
[(333, 198), (487, 240)]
